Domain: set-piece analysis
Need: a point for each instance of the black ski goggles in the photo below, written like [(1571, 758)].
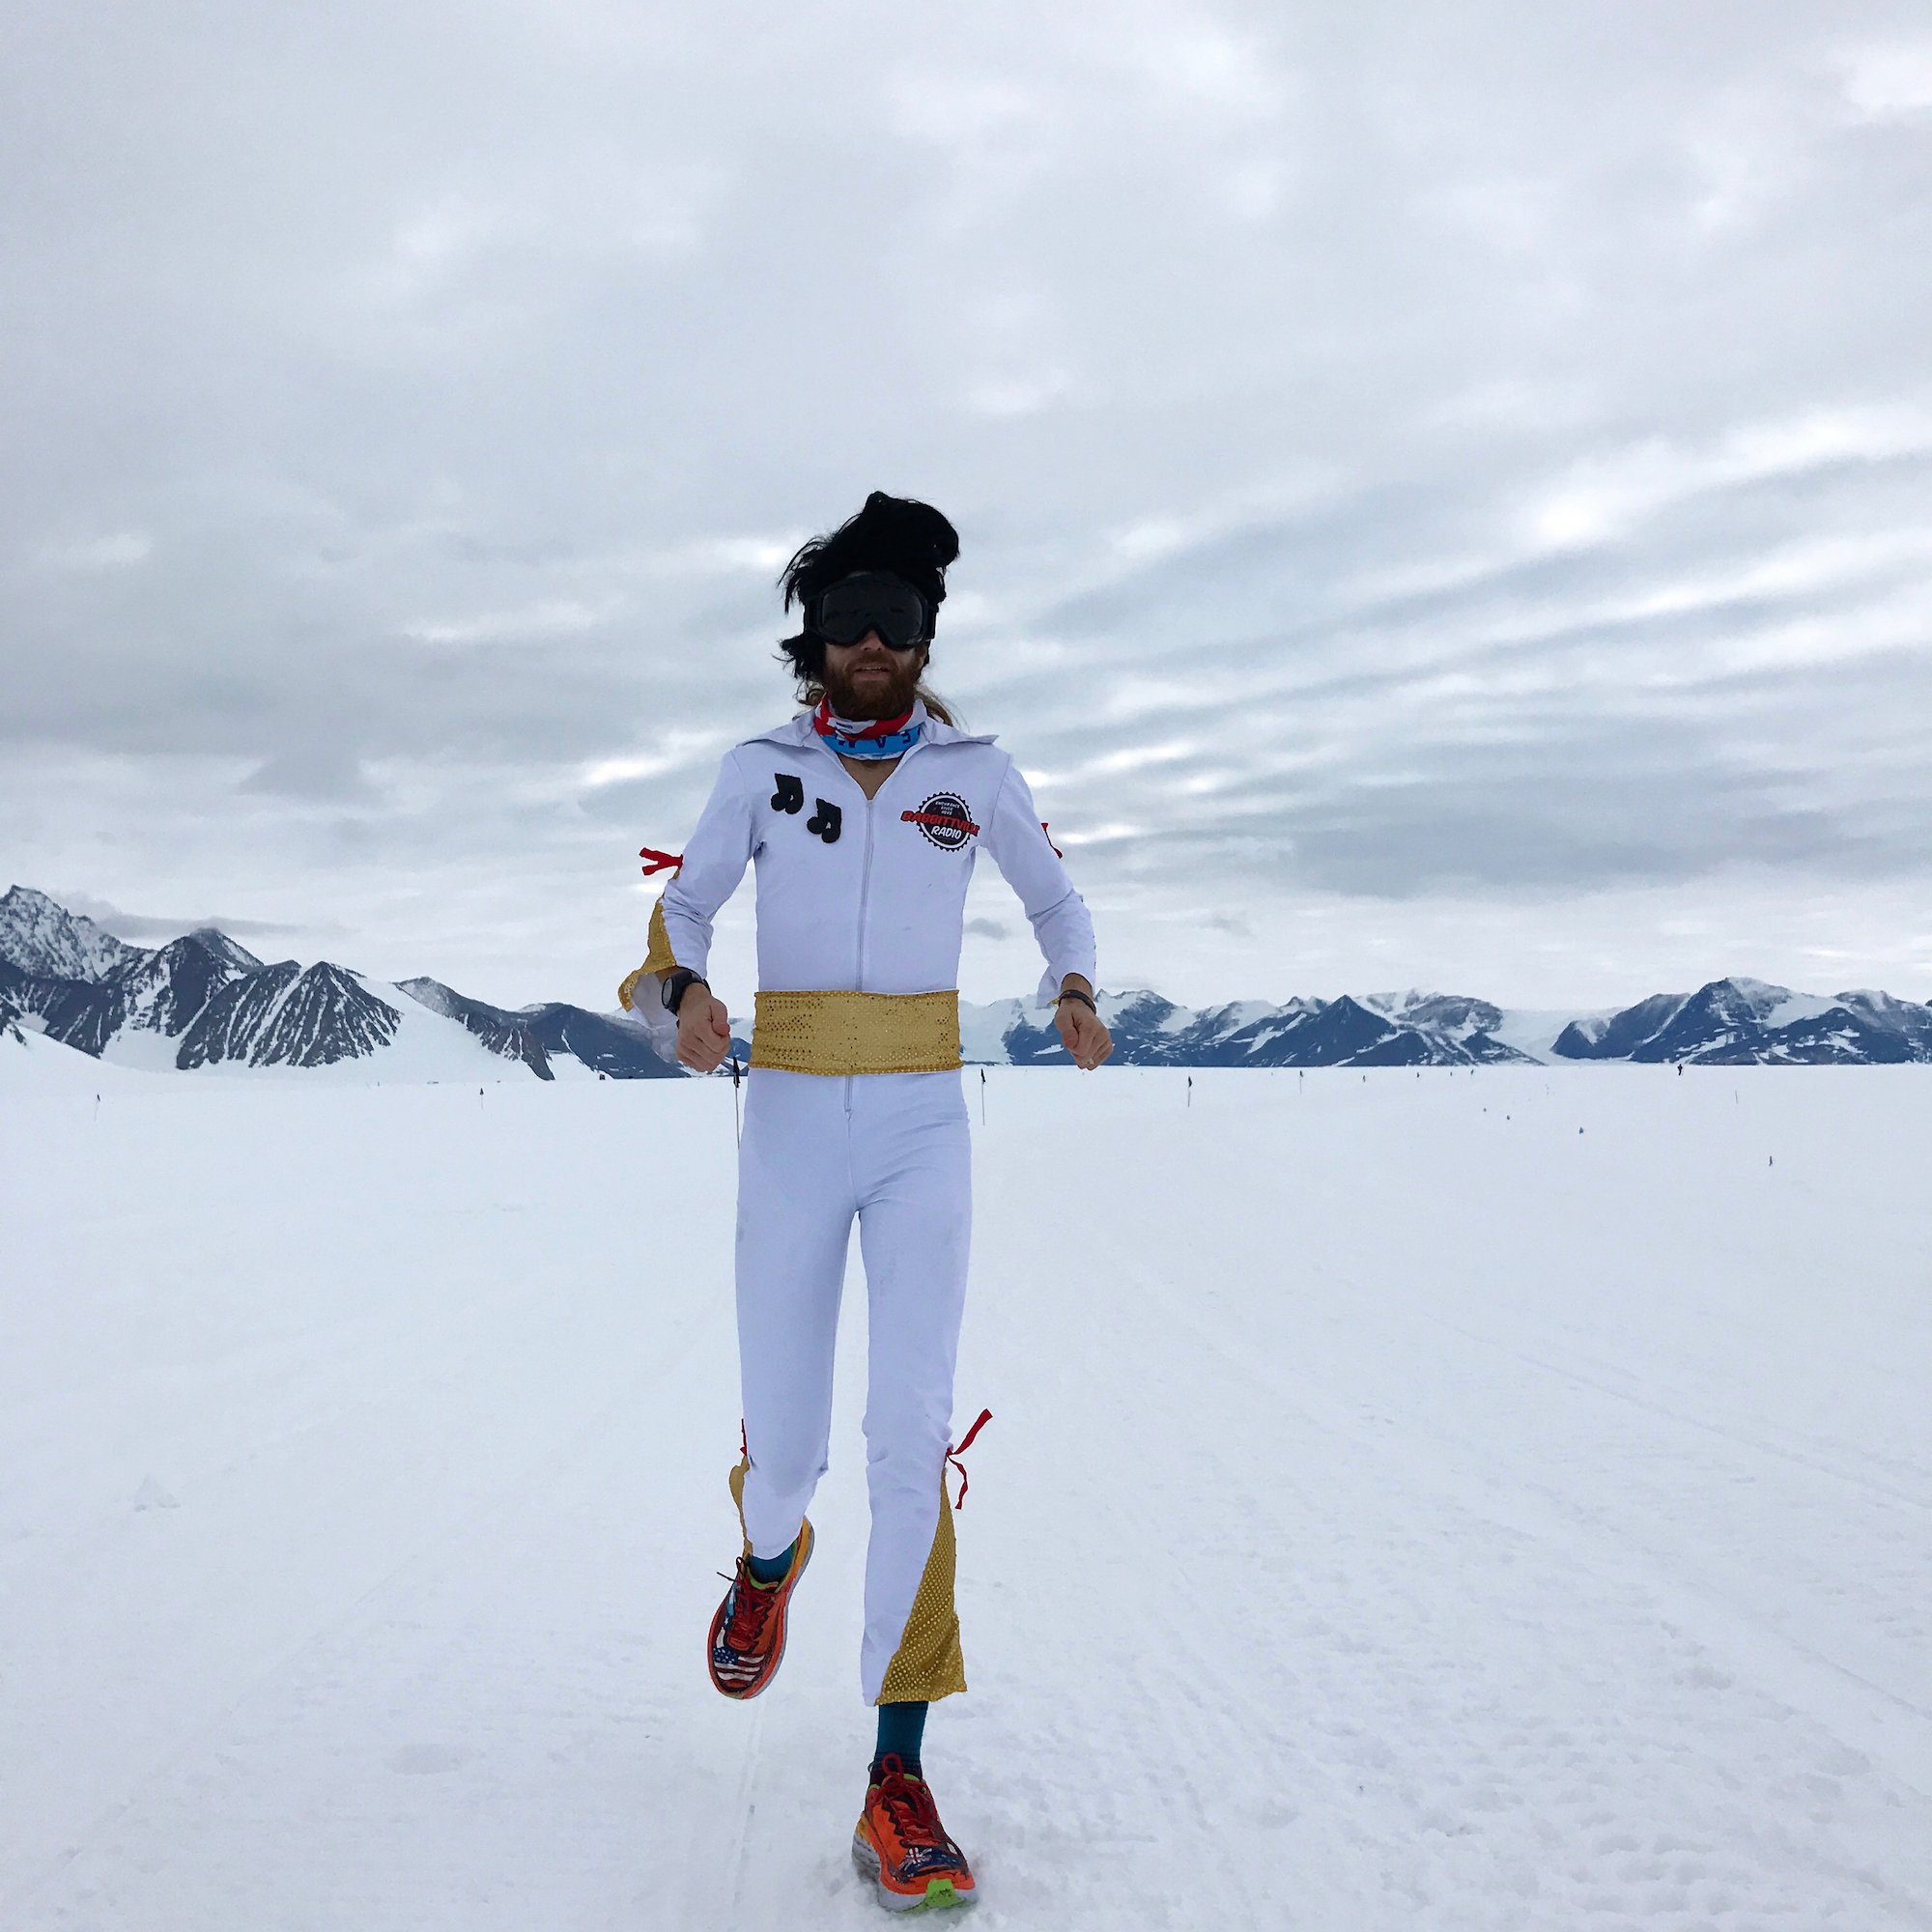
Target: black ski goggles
[(870, 599)]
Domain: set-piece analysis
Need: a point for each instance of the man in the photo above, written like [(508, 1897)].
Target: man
[(864, 815)]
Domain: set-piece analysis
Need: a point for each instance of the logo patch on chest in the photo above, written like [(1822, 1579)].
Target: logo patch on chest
[(944, 819)]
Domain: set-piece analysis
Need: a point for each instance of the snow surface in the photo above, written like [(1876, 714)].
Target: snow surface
[(32, 1062), (1535, 1032), (1399, 1510)]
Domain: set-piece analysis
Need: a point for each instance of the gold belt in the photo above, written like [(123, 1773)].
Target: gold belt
[(856, 1033)]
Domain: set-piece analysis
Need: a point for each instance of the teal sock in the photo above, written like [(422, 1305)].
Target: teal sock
[(901, 1728), (772, 1568)]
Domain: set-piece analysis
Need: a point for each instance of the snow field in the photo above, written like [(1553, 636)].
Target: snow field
[(1400, 1510)]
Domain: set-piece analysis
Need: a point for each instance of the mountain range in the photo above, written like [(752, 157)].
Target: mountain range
[(202, 1002)]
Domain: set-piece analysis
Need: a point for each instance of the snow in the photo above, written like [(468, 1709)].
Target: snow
[(428, 1047), (1534, 1031), (1868, 996), (30, 1063), (1401, 1512), (983, 1028), (222, 946), (1779, 1006), (1230, 1018), (143, 1050), (1392, 1004), (1792, 1008)]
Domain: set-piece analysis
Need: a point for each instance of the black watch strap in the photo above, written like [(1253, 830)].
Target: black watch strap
[(1085, 999), (674, 985)]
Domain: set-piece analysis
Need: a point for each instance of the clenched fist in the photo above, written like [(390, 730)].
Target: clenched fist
[(703, 1029), (1083, 1034)]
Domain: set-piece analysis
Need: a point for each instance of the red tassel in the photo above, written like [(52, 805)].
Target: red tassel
[(1057, 852), (660, 862), (953, 1455)]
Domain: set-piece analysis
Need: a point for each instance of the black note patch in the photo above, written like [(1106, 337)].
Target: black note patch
[(825, 821), (790, 793)]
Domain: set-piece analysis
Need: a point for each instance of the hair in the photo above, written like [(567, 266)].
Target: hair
[(900, 534)]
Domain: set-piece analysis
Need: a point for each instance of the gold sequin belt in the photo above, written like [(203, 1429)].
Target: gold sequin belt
[(856, 1033)]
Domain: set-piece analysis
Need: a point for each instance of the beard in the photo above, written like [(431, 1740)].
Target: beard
[(871, 697)]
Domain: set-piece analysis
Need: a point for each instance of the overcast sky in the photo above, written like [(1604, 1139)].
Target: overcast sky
[(1446, 492)]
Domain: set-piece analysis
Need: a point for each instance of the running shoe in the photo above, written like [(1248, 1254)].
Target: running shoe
[(748, 1631), (903, 1847)]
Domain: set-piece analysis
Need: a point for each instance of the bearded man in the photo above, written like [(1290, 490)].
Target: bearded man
[(865, 814)]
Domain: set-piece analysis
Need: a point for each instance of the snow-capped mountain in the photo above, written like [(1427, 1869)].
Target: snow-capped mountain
[(1149, 1031), (202, 1002), (39, 937), (1912, 1023), (499, 1032), (615, 1047), (158, 992), (1745, 1022), (1729, 1022), (289, 1015)]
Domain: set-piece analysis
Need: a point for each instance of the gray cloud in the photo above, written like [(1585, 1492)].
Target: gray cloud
[(135, 925), (1403, 460)]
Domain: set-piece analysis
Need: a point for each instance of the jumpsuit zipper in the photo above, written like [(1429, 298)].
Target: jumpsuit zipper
[(865, 869), (864, 892), (865, 888)]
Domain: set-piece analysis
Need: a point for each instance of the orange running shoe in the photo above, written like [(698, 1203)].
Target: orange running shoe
[(903, 1847), (748, 1631)]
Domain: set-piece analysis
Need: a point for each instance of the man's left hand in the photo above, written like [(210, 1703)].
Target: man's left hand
[(1083, 1034)]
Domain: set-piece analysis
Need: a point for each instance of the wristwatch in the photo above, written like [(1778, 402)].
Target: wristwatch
[(674, 985)]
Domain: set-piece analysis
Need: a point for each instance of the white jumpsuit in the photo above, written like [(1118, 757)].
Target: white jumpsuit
[(860, 895)]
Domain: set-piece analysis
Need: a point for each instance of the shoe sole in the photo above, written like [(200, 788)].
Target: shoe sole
[(784, 1632), (941, 1895)]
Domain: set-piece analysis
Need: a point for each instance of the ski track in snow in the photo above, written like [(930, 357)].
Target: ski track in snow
[(1400, 1511)]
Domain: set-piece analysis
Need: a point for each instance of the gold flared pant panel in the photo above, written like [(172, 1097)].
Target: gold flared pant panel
[(737, 1480), (928, 1662)]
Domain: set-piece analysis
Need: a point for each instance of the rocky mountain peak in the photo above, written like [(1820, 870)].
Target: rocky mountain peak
[(40, 937)]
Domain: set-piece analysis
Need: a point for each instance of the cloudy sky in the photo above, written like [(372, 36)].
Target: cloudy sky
[(1446, 492)]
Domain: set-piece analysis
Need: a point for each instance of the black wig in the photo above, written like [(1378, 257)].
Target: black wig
[(909, 538)]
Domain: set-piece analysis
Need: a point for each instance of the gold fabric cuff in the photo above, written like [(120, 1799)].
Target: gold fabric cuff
[(657, 959), (856, 1032)]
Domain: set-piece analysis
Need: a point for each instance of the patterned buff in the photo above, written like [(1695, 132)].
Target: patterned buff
[(870, 737)]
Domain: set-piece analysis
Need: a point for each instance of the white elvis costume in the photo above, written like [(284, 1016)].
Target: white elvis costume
[(854, 1106)]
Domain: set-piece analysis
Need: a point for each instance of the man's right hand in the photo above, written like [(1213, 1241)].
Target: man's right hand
[(703, 1029)]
